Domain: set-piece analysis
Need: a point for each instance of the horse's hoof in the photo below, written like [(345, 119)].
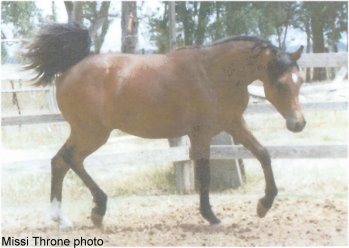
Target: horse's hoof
[(97, 220), (208, 215), (214, 221), (261, 210), (65, 224)]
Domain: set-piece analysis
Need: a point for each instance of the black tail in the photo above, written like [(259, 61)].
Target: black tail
[(56, 48)]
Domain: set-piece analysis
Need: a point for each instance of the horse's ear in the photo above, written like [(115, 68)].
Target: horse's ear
[(297, 54)]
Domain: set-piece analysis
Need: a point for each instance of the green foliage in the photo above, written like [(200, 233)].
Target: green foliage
[(20, 14), (159, 29), (200, 22)]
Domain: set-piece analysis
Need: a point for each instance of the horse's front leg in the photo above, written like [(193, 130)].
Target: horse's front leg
[(200, 153), (243, 135)]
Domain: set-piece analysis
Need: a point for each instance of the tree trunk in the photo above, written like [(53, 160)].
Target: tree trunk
[(172, 24), (69, 8), (129, 27), (54, 12), (185, 17), (317, 26), (308, 50), (101, 21), (202, 22), (74, 11), (77, 12)]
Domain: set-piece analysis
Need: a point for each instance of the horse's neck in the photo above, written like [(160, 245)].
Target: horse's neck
[(229, 62)]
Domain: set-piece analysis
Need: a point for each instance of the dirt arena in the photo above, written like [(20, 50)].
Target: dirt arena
[(175, 221)]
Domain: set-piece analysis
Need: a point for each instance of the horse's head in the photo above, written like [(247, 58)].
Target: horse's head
[(281, 87)]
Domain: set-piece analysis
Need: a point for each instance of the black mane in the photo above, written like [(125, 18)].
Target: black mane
[(259, 42), (276, 67)]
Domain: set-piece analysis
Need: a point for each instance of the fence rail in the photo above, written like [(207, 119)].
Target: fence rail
[(256, 108), (181, 153), (323, 60)]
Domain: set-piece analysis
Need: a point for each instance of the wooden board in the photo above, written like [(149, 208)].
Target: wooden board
[(323, 60), (251, 109), (182, 154)]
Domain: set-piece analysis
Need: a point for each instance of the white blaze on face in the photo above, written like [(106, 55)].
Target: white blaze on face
[(294, 78)]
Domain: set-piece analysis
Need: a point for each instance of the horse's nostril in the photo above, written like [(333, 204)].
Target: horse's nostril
[(297, 126), (300, 125)]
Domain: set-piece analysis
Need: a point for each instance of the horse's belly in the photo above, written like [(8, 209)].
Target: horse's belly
[(150, 123), (153, 130)]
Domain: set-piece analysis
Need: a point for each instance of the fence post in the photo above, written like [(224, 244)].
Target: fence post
[(224, 173), (185, 178)]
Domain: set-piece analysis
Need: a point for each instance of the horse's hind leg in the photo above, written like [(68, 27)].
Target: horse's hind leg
[(59, 169), (200, 152), (81, 144)]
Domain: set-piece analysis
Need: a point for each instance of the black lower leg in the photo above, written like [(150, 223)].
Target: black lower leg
[(98, 212), (100, 199), (266, 202), (203, 176), (58, 171)]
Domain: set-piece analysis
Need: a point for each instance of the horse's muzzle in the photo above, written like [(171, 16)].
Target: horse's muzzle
[(295, 125)]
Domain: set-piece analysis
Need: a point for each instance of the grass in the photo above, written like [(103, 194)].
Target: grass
[(322, 128), (155, 180)]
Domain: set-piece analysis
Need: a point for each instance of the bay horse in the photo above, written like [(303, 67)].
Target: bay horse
[(194, 91)]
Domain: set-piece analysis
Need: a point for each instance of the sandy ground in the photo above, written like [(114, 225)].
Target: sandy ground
[(174, 221)]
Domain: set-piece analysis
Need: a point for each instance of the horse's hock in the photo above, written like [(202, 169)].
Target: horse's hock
[(225, 174)]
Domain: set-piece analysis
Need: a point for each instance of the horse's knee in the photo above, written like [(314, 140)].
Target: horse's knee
[(263, 156)]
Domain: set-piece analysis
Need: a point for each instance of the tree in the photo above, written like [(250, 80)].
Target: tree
[(324, 22), (159, 29), (129, 27), (97, 16), (240, 18), (74, 11), (99, 19), (193, 18), (21, 17), (336, 23)]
